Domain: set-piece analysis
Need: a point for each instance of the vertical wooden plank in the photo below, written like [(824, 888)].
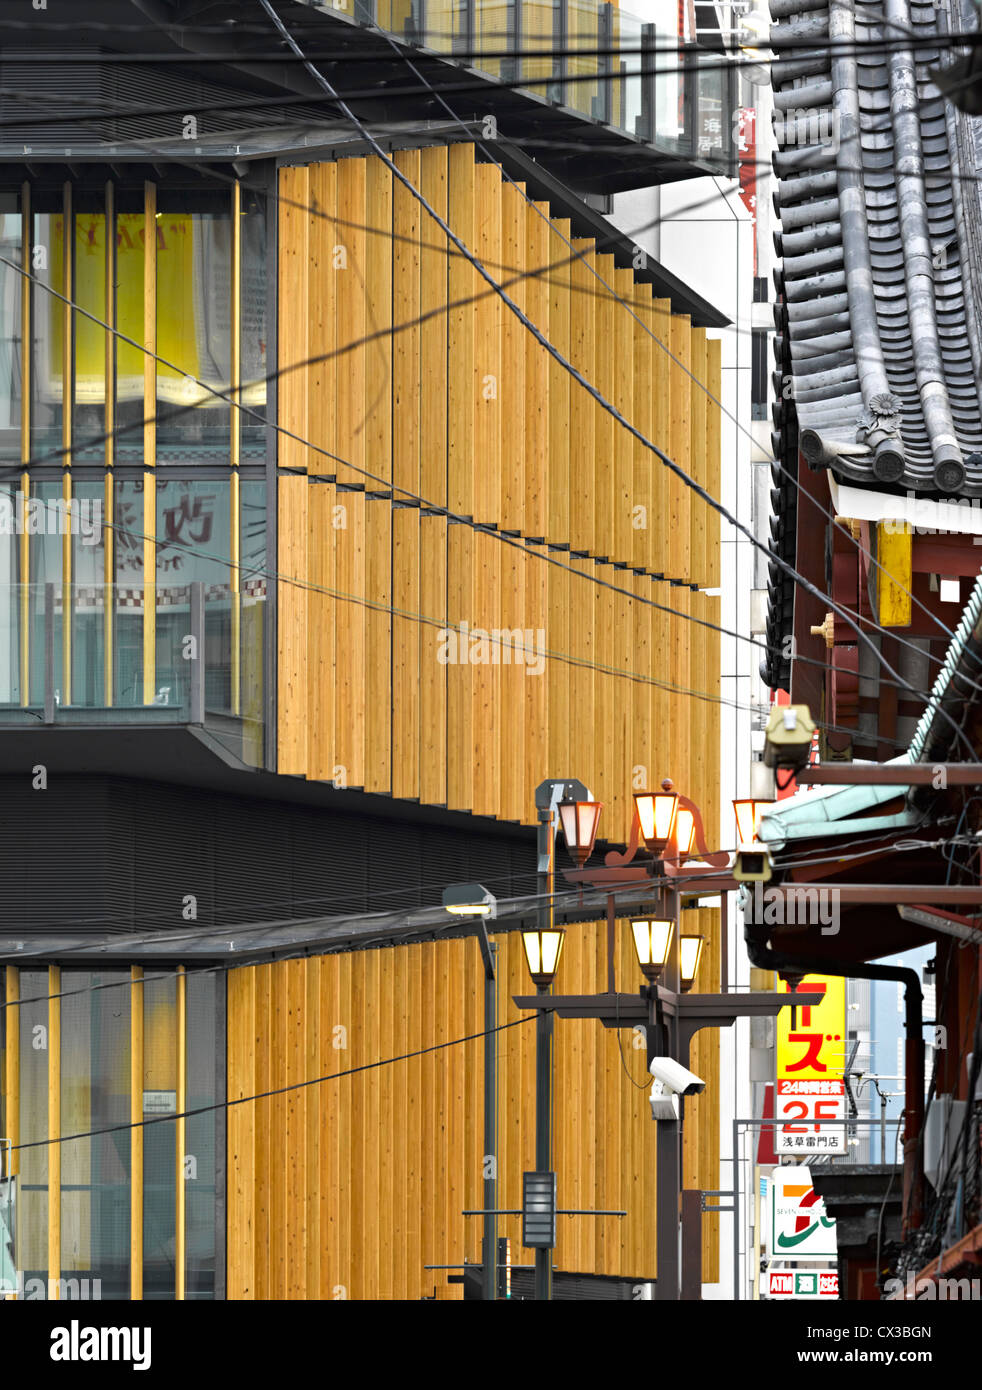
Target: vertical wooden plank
[(344, 1177), (352, 321), (587, 310), (434, 675), (609, 329), (316, 607), (373, 1050), (263, 1152), (517, 413), (415, 1111), (488, 312), (413, 645), (180, 1138), (314, 1130), (293, 337), (431, 1159), (11, 1079), (377, 711), (487, 652), (538, 462), (680, 423), (291, 626), (136, 1134), (560, 383), (464, 286), (454, 1065), (435, 292), (331, 1061), (461, 564), (54, 1130), (351, 639)]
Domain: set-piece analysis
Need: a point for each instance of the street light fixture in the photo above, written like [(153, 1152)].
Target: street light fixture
[(542, 951), (749, 812), (685, 833), (690, 952), (579, 820), (656, 816), (652, 942), (469, 900)]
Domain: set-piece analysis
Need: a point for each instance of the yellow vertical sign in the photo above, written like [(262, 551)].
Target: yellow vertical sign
[(811, 1058)]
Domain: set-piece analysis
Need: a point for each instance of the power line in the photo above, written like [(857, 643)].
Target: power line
[(277, 1091)]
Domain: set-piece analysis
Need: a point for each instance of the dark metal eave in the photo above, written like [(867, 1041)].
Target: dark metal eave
[(187, 755), (368, 68)]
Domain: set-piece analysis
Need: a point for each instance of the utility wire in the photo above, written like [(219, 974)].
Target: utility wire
[(277, 1091)]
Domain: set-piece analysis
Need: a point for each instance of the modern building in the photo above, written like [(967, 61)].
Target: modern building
[(315, 563)]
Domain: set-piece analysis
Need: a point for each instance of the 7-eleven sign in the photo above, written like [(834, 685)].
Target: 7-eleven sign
[(800, 1229)]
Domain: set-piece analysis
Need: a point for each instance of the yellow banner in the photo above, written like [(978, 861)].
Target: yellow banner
[(811, 1039)]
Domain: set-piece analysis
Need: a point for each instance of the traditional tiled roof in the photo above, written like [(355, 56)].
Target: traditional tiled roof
[(878, 196)]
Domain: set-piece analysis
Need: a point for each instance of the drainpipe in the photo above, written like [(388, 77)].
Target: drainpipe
[(764, 958)]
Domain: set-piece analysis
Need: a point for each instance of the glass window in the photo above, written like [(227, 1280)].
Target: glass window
[(253, 338), (194, 283), (130, 240), (44, 524), (11, 354), (10, 594), (95, 1172), (160, 1139), (128, 591), (203, 1065), (31, 1200), (48, 333), (193, 545), (89, 610), (89, 420)]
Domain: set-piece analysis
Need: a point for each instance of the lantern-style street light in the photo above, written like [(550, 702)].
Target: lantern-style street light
[(685, 834), (652, 943), (690, 953), (579, 821), (656, 817), (542, 952), (749, 812)]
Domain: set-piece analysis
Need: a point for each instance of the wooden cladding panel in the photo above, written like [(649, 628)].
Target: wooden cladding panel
[(422, 380)]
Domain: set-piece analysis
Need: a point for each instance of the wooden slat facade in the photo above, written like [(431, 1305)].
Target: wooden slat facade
[(425, 386), (425, 381), (346, 1189)]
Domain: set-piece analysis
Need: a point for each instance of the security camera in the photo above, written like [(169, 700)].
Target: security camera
[(788, 738), (751, 864), (675, 1077), (664, 1103)]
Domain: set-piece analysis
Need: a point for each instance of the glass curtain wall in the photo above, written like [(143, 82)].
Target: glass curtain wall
[(118, 1223), (137, 492)]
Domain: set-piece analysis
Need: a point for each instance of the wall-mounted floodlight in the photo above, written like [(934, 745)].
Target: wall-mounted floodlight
[(470, 900)]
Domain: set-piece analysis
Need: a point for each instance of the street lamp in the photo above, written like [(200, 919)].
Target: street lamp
[(685, 833), (542, 952), (469, 900), (652, 942), (579, 820), (749, 812), (656, 816), (690, 952)]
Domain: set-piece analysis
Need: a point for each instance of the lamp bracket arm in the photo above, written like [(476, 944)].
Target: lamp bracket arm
[(615, 860), (719, 858)]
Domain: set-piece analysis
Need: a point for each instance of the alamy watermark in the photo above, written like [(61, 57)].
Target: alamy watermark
[(792, 906), (58, 516), (477, 646)]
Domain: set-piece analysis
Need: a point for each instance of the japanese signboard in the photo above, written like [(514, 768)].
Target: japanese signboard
[(811, 1042), (799, 1283), (799, 1227)]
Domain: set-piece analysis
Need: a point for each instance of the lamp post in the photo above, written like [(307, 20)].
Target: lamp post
[(566, 803), (474, 901)]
